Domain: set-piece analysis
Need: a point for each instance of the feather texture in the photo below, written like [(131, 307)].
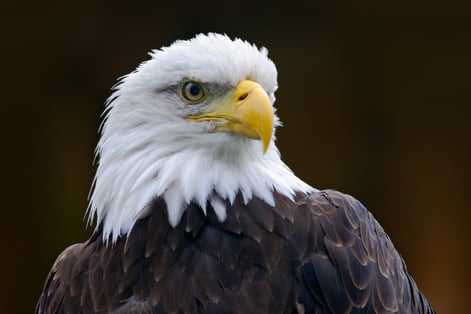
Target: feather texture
[(240, 265)]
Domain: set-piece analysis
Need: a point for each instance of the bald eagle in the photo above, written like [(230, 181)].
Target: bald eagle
[(197, 213)]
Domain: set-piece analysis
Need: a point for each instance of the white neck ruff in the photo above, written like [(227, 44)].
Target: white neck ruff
[(129, 182)]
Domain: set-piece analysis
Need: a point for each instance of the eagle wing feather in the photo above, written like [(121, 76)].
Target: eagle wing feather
[(353, 265)]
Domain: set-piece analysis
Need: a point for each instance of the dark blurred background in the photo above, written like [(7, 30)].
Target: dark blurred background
[(375, 100)]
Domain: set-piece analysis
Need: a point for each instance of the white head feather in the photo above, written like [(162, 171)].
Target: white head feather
[(148, 149)]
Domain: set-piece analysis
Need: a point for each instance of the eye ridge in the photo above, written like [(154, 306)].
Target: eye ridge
[(192, 91)]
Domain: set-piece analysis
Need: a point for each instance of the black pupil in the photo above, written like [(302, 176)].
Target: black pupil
[(194, 90)]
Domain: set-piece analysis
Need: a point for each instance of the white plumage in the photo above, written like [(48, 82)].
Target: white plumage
[(148, 148)]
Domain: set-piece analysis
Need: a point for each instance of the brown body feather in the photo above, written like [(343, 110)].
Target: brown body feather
[(323, 253)]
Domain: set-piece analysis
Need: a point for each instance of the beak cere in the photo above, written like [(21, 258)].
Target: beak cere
[(246, 111)]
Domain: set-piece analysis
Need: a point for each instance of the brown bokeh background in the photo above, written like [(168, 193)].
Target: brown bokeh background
[(375, 100)]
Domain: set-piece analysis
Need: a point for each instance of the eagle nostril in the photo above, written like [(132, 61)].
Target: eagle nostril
[(243, 96)]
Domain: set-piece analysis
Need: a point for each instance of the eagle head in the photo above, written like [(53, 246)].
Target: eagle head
[(195, 123)]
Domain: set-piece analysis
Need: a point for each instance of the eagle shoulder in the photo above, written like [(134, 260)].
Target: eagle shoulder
[(352, 265), (58, 293), (74, 283)]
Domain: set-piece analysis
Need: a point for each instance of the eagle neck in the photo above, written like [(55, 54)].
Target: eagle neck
[(200, 175)]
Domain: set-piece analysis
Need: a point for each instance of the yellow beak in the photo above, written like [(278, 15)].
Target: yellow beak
[(247, 111)]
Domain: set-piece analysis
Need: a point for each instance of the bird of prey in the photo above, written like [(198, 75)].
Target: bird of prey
[(196, 212)]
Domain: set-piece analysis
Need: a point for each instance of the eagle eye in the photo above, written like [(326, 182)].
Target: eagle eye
[(192, 92)]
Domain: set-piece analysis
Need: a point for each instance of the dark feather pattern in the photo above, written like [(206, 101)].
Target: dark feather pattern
[(322, 253)]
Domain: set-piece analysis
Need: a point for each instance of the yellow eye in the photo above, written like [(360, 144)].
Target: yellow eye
[(192, 92)]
